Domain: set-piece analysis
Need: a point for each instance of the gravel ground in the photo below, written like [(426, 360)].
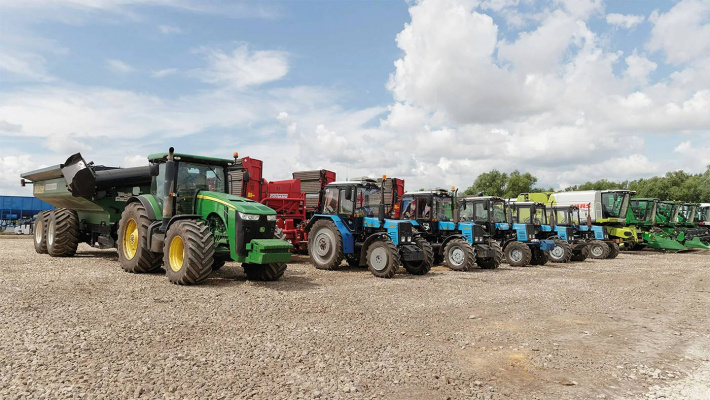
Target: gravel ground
[(634, 327)]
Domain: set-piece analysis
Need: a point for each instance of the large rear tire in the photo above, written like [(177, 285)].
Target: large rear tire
[(383, 258), (40, 232), (459, 255), (421, 267), (132, 245), (580, 255), (517, 254), (562, 252), (325, 245), (62, 233), (598, 250), (264, 272), (188, 253), (495, 261), (613, 250)]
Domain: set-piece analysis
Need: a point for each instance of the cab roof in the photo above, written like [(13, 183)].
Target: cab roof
[(161, 157)]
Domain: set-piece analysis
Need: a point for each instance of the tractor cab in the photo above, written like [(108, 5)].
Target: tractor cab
[(528, 212), (642, 211), (428, 208), (667, 213), (702, 215), (686, 214), (490, 211)]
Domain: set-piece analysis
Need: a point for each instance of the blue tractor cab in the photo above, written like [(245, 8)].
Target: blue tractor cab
[(351, 224), (460, 244), (585, 235)]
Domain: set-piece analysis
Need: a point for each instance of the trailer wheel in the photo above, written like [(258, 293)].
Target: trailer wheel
[(598, 250), (495, 261), (132, 244), (539, 257), (459, 255), (613, 250), (188, 254), (264, 272), (517, 254), (40, 232), (325, 245), (562, 252), (421, 267), (383, 258), (580, 255), (62, 233)]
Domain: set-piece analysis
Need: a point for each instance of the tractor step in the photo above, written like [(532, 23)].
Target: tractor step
[(267, 251)]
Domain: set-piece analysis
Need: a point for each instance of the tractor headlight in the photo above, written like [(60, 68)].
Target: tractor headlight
[(250, 217), (271, 217)]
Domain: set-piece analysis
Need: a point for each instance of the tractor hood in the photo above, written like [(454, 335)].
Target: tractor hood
[(238, 203)]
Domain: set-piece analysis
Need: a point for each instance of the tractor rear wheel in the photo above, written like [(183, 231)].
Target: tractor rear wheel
[(598, 250), (517, 254), (495, 261), (613, 250), (264, 272), (562, 252), (40, 232), (383, 258), (62, 233), (132, 244), (421, 267), (325, 245), (188, 253), (539, 257), (580, 255), (459, 255)]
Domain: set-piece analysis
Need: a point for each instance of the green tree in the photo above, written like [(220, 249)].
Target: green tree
[(519, 183), (491, 183)]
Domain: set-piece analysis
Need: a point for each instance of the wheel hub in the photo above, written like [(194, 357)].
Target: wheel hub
[(516, 255), (378, 259), (557, 252), (457, 256), (597, 251)]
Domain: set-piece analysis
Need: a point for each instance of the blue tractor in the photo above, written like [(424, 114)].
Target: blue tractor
[(585, 235), (461, 245), (515, 234), (351, 225)]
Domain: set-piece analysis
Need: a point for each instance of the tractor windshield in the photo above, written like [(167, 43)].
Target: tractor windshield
[(531, 215), (642, 210), (702, 214), (614, 204), (664, 211), (561, 216), (368, 202), (466, 211), (192, 178), (498, 211), (687, 213), (443, 208)]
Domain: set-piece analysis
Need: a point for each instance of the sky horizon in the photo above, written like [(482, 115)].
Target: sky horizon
[(432, 91)]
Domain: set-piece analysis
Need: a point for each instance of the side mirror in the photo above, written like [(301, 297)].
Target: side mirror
[(246, 176), (154, 169)]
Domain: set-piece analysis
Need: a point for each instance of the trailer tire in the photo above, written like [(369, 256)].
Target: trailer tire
[(188, 253), (132, 244), (383, 258), (421, 267), (62, 233), (40, 232), (539, 257), (613, 250), (598, 250), (459, 255), (495, 261), (325, 245), (264, 272), (562, 252), (517, 254), (580, 255)]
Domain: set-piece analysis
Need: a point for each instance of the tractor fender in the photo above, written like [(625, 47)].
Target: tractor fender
[(450, 238), (348, 238), (368, 242), (150, 204)]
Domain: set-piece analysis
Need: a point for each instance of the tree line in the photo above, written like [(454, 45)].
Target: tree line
[(676, 185)]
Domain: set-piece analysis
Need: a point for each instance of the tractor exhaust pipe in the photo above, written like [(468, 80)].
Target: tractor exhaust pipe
[(454, 205), (168, 190), (381, 210)]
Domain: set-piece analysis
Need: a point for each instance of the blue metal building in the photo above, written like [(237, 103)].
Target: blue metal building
[(21, 207)]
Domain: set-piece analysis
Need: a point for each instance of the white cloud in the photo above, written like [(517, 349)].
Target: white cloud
[(169, 30), (119, 66), (243, 68), (10, 169), (638, 68), (161, 73), (23, 66), (626, 21), (683, 33)]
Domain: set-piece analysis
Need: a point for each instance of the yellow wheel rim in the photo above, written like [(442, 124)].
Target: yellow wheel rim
[(130, 239), (176, 253)]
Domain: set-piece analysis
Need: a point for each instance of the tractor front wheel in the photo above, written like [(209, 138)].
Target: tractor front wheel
[(188, 254), (62, 233), (383, 258), (613, 250), (264, 272), (492, 262), (459, 255), (598, 250), (132, 245), (517, 254), (325, 245), (40, 232), (562, 252), (421, 267)]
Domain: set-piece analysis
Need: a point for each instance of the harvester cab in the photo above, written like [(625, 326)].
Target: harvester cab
[(190, 222), (352, 224), (459, 243), (702, 215)]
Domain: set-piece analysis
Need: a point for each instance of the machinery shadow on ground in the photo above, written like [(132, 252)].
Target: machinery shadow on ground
[(232, 275), (109, 255)]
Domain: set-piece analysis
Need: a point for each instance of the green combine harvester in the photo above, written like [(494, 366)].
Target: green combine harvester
[(677, 219), (642, 213), (175, 212)]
